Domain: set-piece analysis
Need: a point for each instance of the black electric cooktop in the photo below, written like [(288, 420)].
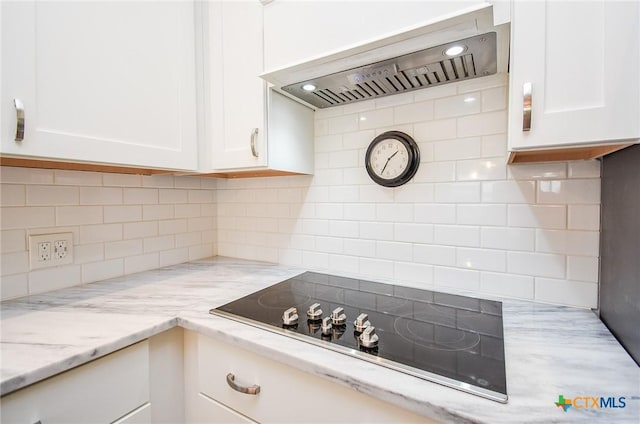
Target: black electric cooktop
[(452, 340)]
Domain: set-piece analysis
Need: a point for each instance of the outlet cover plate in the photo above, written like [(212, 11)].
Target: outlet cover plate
[(60, 250)]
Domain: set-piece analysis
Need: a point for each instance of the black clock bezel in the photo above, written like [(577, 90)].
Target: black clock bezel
[(412, 164)]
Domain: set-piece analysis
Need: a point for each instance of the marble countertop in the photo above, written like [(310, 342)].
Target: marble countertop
[(550, 350)]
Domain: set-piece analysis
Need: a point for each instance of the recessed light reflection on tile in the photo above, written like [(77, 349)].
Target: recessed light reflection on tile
[(550, 186)]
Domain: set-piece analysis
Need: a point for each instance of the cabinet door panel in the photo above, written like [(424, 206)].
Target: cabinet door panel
[(100, 391), (239, 48), (584, 76), (109, 82)]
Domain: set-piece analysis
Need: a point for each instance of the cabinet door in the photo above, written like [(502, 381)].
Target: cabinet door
[(297, 31), (237, 95), (582, 61), (105, 390), (101, 81)]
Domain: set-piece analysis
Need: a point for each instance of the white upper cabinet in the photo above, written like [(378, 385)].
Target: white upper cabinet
[(103, 81), (247, 126), (581, 62), (298, 31)]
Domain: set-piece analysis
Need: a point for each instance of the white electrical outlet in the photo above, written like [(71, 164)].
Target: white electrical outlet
[(47, 250)]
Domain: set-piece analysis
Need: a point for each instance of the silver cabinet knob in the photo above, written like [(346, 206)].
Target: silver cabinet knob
[(314, 312), (338, 317), (369, 338), (290, 316), (326, 326), (361, 322)]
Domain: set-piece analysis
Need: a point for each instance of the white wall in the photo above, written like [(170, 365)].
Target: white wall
[(467, 221), (121, 224)]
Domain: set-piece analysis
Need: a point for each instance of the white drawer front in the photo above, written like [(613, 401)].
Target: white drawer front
[(286, 394), (101, 391)]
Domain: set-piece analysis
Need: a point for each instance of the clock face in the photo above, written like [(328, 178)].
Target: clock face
[(392, 159)]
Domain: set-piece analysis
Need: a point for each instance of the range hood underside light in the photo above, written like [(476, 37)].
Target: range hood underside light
[(422, 69)]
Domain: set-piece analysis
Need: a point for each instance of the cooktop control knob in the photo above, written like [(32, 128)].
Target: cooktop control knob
[(338, 317), (369, 338), (361, 322), (290, 316), (314, 312), (326, 326)]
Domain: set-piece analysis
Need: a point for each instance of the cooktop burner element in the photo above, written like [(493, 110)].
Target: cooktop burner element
[(452, 340)]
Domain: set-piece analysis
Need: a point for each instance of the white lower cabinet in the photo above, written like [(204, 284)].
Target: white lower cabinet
[(114, 388), (285, 395)]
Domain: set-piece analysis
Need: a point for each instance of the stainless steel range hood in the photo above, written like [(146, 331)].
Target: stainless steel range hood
[(412, 60)]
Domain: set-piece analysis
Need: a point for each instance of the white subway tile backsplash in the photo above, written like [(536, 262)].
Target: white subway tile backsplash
[(14, 263), (140, 229), (481, 259), (573, 293), (413, 112), (482, 124), (582, 268), (537, 171), (394, 251), (509, 285), (141, 196), (100, 196), (463, 148), (508, 191), (342, 124), (122, 249), (139, 263), (494, 145), (417, 275), (434, 213), (100, 233), (552, 217), (456, 235), (102, 270), (375, 119), (584, 169), (10, 174), (435, 130), (129, 213), (12, 286), (394, 212), (121, 180), (536, 264), (569, 191), (584, 217), (27, 217), (466, 221), (449, 107), (568, 242), (457, 278), (413, 233), (508, 238), (482, 214), (434, 254), (481, 169), (13, 194), (457, 193), (13, 241), (77, 178), (44, 280)]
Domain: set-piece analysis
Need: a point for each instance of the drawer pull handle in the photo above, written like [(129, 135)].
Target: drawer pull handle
[(526, 107), (254, 136), (251, 390), (19, 119)]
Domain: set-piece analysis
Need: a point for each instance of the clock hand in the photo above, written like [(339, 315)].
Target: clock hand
[(387, 162)]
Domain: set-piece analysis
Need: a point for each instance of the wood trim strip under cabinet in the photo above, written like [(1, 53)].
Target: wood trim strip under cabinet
[(74, 166), (564, 154)]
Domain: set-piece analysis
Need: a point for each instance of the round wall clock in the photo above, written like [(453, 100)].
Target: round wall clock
[(392, 158)]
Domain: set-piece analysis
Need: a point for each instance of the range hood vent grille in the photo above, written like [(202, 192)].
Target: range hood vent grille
[(422, 69)]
